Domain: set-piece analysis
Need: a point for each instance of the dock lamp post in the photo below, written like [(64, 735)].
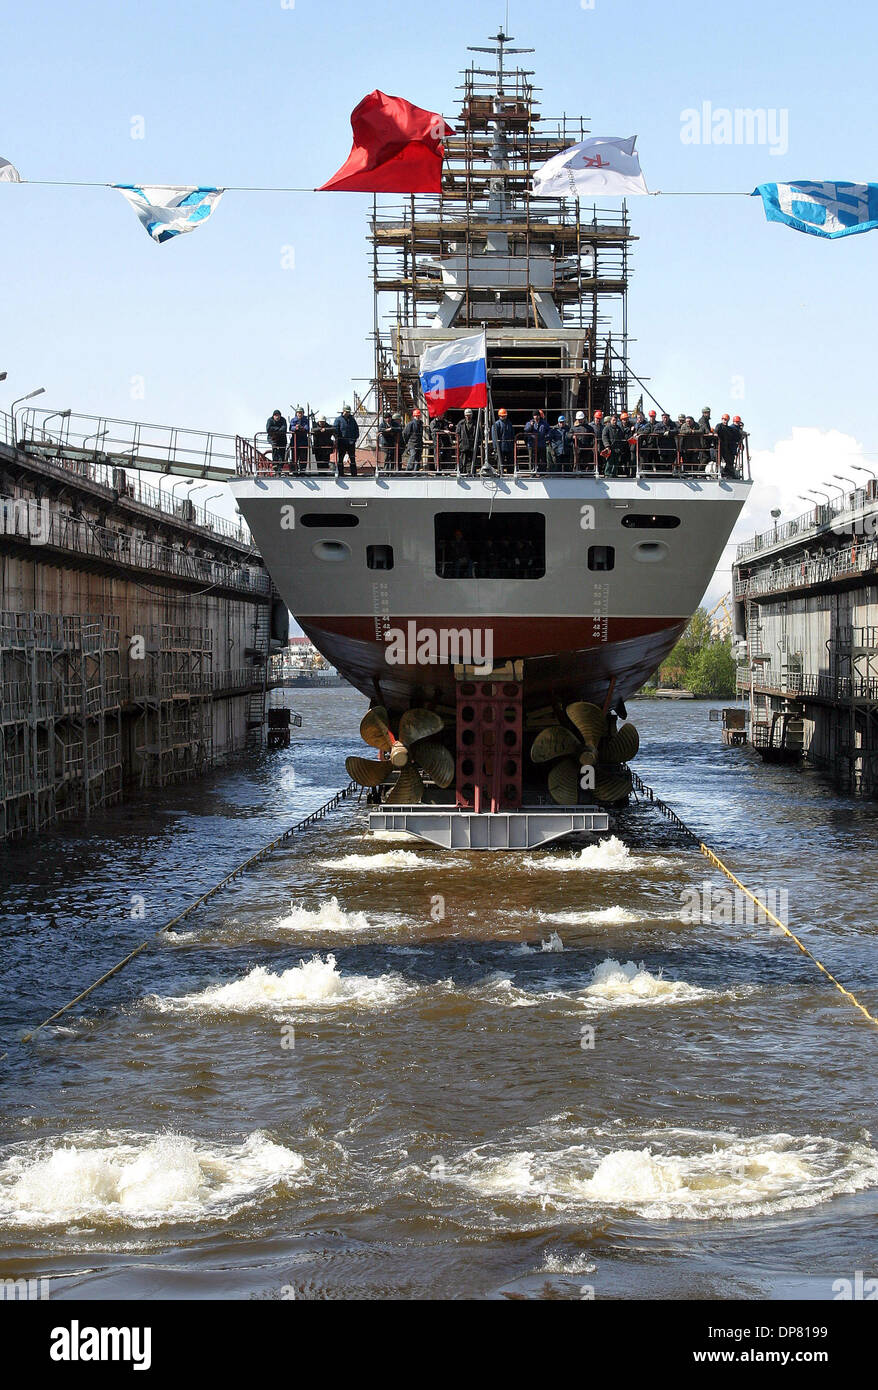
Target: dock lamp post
[(56, 415), (29, 397), (858, 468), (842, 479)]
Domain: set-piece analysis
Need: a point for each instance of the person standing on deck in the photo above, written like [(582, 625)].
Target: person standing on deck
[(299, 432), (321, 439), (276, 429), (560, 445), (536, 433), (467, 438), (503, 439), (614, 442), (390, 439), (728, 440), (441, 435), (413, 442), (347, 432)]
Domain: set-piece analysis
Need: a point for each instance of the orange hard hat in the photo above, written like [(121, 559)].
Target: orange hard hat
[(624, 415), (726, 417), (599, 415), (652, 415), (738, 420), (503, 411)]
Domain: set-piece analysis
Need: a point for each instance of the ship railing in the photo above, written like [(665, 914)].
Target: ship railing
[(696, 455)]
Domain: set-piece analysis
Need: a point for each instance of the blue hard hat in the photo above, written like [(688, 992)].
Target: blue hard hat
[(562, 419)]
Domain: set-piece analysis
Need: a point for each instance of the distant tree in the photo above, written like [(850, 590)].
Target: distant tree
[(712, 671)]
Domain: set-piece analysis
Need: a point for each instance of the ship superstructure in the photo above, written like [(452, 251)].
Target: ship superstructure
[(539, 594)]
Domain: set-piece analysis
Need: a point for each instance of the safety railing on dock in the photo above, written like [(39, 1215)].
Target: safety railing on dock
[(108, 452), (858, 557), (820, 517), (45, 524)]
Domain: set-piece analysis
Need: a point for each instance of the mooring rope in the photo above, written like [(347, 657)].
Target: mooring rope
[(714, 858), (256, 858)]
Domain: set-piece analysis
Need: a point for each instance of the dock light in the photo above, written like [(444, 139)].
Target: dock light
[(2, 376), (858, 469), (815, 492), (842, 479), (775, 512), (29, 397)]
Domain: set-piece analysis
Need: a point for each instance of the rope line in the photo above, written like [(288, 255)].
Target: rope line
[(256, 858), (714, 859)]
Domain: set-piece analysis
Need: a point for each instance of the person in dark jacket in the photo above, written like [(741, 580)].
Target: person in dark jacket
[(300, 430), (441, 436), (276, 429), (347, 432), (729, 440), (321, 440), (667, 441), (559, 447), (536, 433), (413, 442), (614, 442), (582, 440), (503, 439), (467, 440), (390, 439)]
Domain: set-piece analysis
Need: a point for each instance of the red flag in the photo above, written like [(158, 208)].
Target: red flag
[(397, 149)]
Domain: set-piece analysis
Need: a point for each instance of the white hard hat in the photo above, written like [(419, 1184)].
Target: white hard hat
[(580, 414)]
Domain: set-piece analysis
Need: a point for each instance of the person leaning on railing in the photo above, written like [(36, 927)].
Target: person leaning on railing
[(390, 440), (441, 437), (503, 439), (413, 442), (559, 446)]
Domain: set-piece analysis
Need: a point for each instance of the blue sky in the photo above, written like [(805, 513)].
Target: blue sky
[(725, 308)]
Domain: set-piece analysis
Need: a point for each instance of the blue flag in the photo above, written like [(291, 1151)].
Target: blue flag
[(822, 209)]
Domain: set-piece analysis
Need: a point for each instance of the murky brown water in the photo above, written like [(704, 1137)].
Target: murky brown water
[(368, 1070)]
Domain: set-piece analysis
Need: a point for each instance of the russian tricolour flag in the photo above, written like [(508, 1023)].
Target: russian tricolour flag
[(454, 375)]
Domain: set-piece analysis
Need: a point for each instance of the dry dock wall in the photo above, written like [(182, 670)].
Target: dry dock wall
[(806, 610), (135, 633)]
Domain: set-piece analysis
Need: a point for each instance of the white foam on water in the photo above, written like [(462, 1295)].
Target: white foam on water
[(107, 1178), (312, 984), (567, 1264), (614, 985), (554, 943), (328, 917), (598, 917), (390, 859), (390, 836), (607, 856), (686, 1176)]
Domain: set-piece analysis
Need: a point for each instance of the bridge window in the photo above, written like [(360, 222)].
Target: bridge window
[(490, 545), (642, 522)]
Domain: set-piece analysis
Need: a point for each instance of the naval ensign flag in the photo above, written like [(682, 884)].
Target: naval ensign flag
[(604, 165)]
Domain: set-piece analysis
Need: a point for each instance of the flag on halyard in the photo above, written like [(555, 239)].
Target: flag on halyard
[(8, 172), (169, 212), (398, 148), (605, 164), (821, 209), (454, 375)]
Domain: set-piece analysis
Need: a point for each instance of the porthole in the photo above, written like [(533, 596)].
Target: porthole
[(649, 552), (332, 550)]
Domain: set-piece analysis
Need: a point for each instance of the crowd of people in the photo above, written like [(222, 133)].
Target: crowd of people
[(614, 445)]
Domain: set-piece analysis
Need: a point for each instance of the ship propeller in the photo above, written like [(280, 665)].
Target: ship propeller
[(596, 743), (413, 753)]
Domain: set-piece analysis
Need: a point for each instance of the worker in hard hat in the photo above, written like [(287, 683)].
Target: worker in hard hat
[(321, 441), (582, 441), (347, 432), (503, 439), (559, 446), (467, 435)]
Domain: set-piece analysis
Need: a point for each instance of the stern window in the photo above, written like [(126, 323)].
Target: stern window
[(490, 545)]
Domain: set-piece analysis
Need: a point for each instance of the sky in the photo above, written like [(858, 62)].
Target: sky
[(213, 330)]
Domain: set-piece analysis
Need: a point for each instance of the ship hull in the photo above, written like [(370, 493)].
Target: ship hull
[(580, 631)]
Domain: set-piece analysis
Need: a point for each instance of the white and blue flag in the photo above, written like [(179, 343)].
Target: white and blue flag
[(169, 212), (821, 209)]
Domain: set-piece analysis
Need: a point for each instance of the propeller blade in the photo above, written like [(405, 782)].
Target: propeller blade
[(611, 788), (409, 788), (589, 720), (554, 742), (374, 730), (621, 746), (366, 772), (564, 782), (436, 761), (419, 723)]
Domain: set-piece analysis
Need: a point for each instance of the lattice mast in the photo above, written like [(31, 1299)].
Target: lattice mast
[(547, 277)]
